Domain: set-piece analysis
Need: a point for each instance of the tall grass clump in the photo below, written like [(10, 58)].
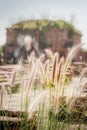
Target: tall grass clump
[(54, 73), (31, 100), (45, 104)]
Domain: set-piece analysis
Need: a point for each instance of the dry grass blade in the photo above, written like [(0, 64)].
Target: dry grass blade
[(44, 71), (31, 81), (49, 54), (81, 77), (13, 77), (56, 56), (83, 74), (35, 103), (71, 104), (84, 88), (70, 56), (32, 77), (54, 67), (59, 73), (46, 65)]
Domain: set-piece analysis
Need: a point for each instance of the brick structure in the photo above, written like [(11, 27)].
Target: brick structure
[(11, 36), (54, 37)]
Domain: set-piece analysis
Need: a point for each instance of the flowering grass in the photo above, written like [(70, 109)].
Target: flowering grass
[(45, 104)]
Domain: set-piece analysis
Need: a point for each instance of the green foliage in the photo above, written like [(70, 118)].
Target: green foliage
[(42, 44), (72, 30), (63, 115), (31, 25), (16, 88), (68, 44), (44, 24), (1, 49), (59, 24)]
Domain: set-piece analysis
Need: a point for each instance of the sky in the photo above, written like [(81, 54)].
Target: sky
[(12, 11)]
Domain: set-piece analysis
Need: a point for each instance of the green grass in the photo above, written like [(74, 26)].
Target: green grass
[(16, 89)]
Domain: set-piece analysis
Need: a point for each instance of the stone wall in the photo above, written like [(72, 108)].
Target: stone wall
[(57, 39), (75, 39), (11, 36), (53, 37)]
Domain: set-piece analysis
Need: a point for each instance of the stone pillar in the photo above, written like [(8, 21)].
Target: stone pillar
[(37, 34), (11, 36)]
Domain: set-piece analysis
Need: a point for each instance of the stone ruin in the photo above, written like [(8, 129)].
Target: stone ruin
[(20, 50), (53, 37)]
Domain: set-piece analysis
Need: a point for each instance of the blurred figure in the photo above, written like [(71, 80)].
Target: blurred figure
[(28, 47)]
